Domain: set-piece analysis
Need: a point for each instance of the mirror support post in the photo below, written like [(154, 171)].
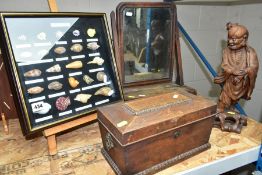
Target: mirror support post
[(148, 39)]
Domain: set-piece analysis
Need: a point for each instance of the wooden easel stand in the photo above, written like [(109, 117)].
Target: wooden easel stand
[(50, 133)]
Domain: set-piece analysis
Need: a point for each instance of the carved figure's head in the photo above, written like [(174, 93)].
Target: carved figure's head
[(237, 36)]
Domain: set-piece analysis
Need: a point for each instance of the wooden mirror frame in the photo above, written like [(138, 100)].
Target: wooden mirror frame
[(176, 72)]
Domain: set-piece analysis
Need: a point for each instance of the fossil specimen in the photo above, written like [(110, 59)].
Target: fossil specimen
[(55, 68), (35, 90), (87, 79), (62, 103), (105, 91), (93, 46), (74, 65), (55, 85), (83, 98), (76, 48), (97, 60), (33, 73)]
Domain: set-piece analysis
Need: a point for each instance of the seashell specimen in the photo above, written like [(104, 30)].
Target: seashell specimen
[(93, 46), (62, 103), (44, 110), (76, 32), (105, 91), (33, 73), (73, 82), (41, 36), (101, 76), (76, 48), (74, 65), (26, 54), (55, 85), (83, 98), (35, 90), (55, 68), (87, 79), (97, 60), (60, 50), (91, 32)]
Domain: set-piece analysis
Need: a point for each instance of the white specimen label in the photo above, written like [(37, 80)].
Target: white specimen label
[(83, 107), (43, 118), (101, 102), (34, 81), (31, 100)]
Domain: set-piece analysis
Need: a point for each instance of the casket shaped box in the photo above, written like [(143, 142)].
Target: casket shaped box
[(146, 135)]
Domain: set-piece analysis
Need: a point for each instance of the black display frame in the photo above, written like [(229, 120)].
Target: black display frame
[(17, 66)]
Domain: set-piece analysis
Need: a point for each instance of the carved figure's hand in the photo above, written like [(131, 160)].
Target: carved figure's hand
[(236, 80), (240, 72)]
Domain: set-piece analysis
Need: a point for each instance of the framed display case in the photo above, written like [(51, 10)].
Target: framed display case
[(60, 66)]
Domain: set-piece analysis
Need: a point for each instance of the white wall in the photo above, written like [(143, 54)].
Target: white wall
[(205, 23)]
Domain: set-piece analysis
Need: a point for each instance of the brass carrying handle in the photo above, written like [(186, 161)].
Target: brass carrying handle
[(177, 134)]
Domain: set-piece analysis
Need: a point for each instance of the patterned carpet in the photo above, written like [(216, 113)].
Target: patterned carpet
[(79, 153)]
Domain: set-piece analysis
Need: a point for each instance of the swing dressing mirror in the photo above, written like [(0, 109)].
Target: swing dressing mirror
[(148, 40)]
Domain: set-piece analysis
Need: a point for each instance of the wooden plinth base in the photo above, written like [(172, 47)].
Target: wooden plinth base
[(160, 166), (50, 133)]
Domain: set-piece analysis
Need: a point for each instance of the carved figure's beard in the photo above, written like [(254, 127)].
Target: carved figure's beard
[(236, 46)]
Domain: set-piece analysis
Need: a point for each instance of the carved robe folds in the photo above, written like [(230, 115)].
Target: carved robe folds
[(239, 74)]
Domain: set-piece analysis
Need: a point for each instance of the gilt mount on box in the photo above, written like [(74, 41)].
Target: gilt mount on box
[(239, 71)]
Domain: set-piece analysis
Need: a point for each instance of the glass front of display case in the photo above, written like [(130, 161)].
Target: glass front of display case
[(62, 65)]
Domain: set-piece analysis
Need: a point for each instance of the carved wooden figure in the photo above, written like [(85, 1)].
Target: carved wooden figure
[(239, 71)]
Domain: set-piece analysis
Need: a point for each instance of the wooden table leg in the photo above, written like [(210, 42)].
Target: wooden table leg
[(52, 147), (4, 123)]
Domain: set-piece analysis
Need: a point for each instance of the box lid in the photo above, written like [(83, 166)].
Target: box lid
[(140, 119)]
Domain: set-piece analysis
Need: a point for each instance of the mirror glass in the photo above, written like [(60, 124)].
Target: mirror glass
[(146, 43)]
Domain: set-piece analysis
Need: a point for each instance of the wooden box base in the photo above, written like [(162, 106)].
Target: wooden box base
[(160, 166), (147, 135)]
